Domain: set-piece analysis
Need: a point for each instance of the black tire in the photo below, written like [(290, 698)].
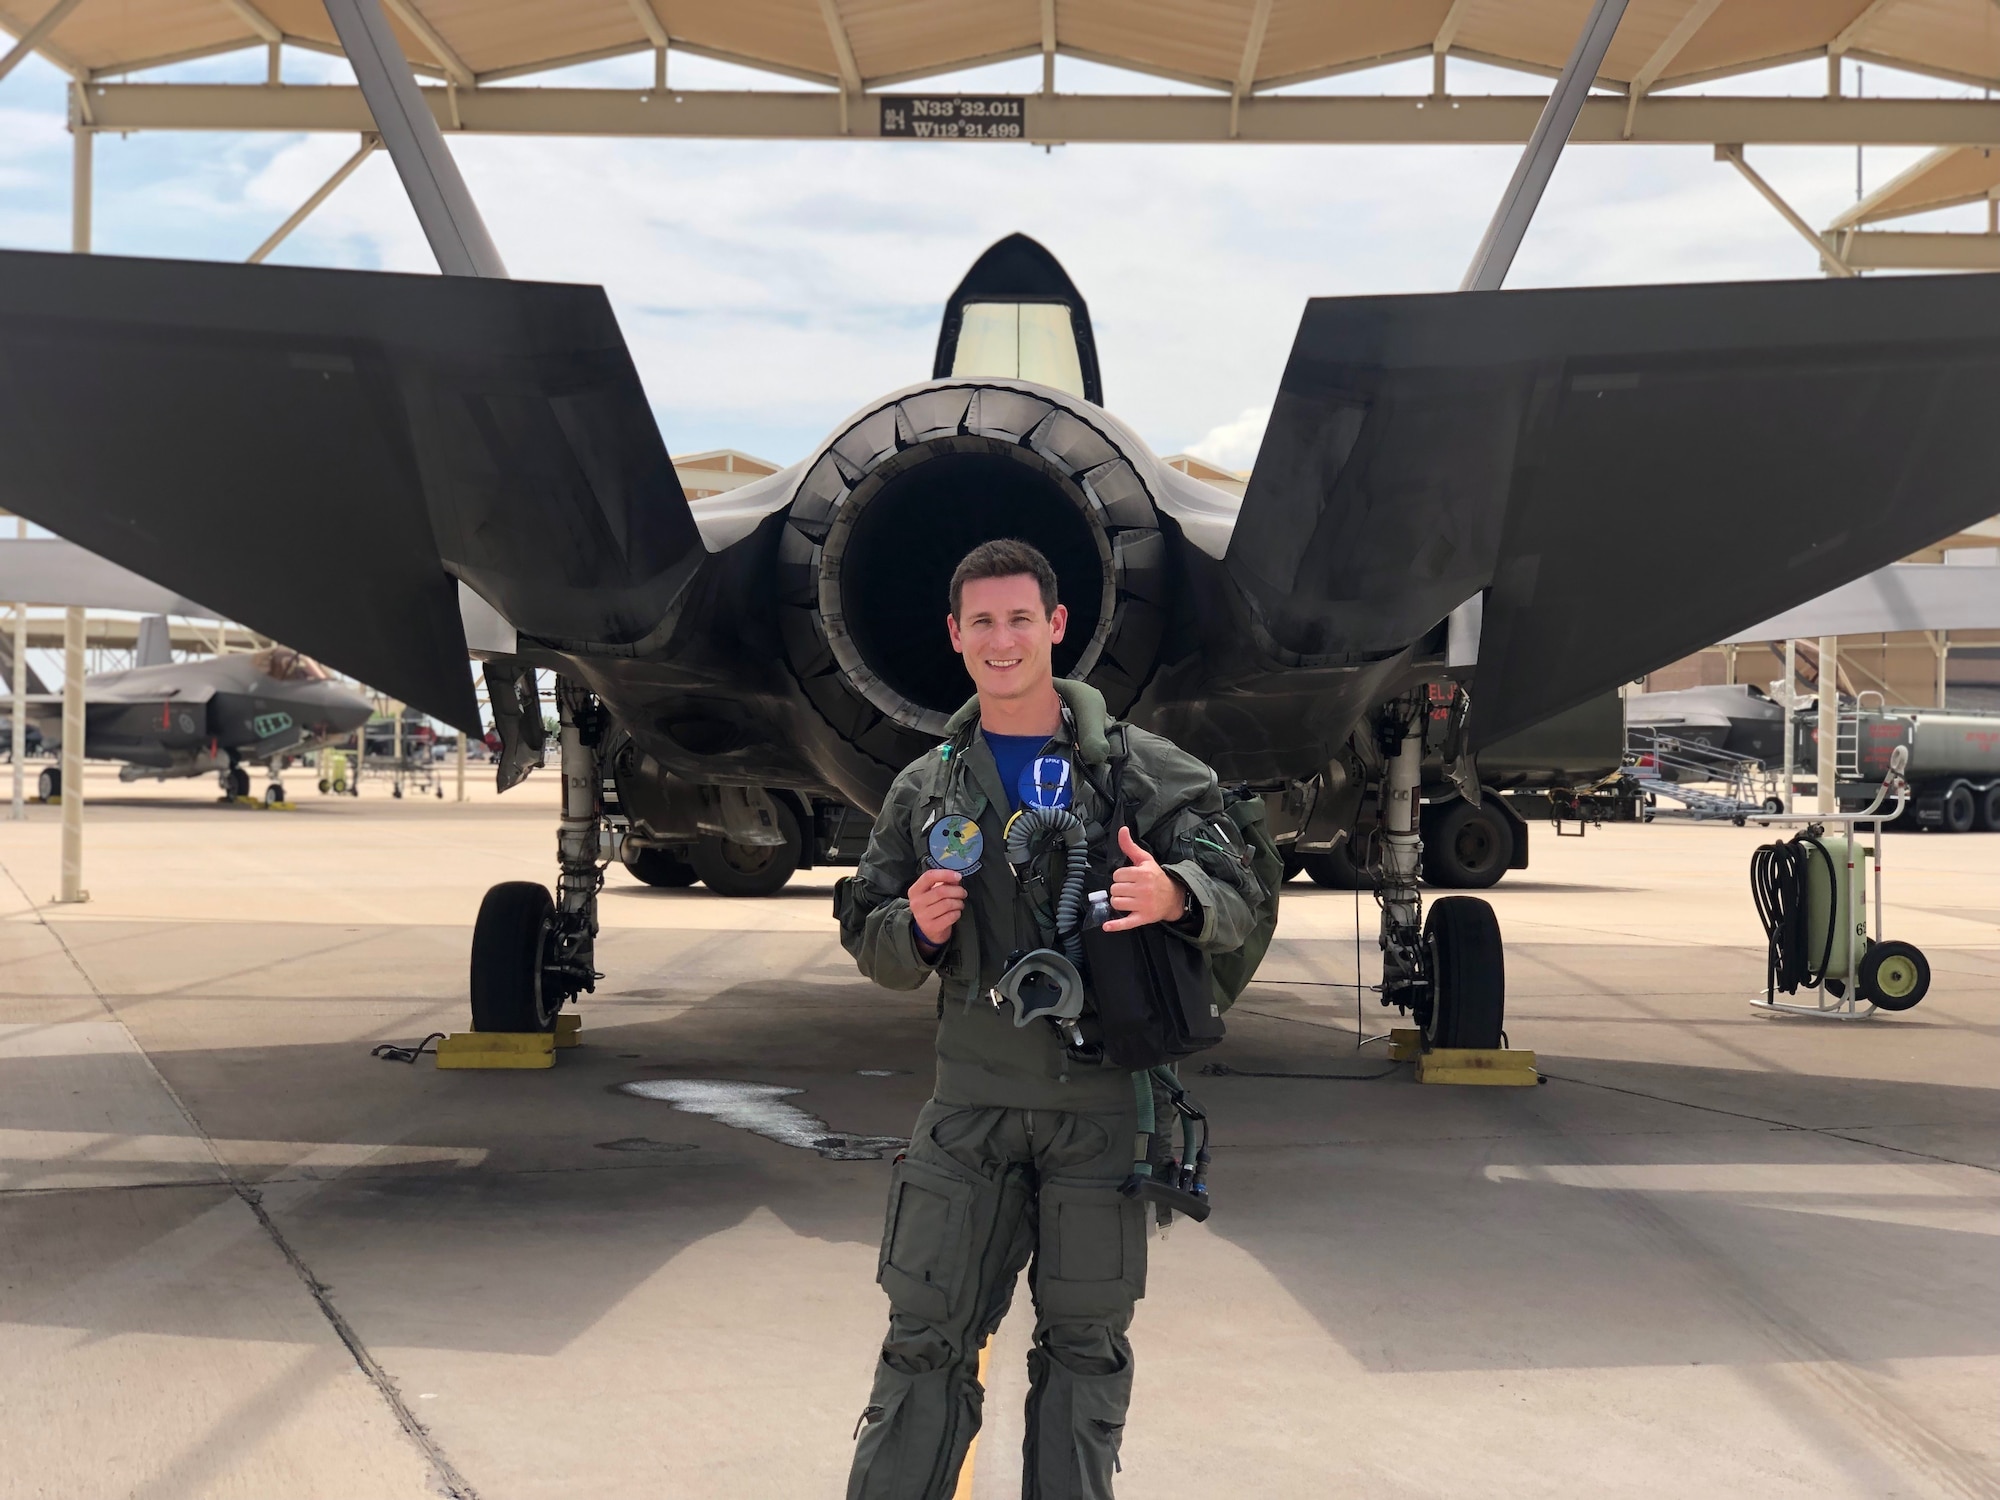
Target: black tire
[(1774, 804), (1294, 864), (1467, 848), (49, 783), (1468, 974), (1893, 975), (238, 782), (274, 794), (749, 869), (1989, 810), (1334, 869), (509, 938), (1960, 811), (325, 786), (661, 868)]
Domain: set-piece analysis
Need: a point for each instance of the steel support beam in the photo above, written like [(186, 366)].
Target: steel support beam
[(1523, 195), (71, 886), (1828, 770), (36, 34), (1833, 261), (320, 194), (1902, 250), (397, 110), (19, 685), (773, 114)]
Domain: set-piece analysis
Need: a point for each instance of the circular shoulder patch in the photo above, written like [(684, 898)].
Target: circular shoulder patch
[(1047, 781), (956, 844)]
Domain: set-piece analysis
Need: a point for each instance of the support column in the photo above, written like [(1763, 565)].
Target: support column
[(1791, 721), (410, 134), (1729, 665), (1941, 644), (1523, 196), (72, 758), (461, 765), (71, 887), (1829, 723), (18, 811)]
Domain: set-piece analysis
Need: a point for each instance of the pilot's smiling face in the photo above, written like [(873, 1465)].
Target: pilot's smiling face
[(1004, 636)]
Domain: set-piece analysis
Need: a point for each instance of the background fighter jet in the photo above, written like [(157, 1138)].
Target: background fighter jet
[(220, 714), (1451, 535)]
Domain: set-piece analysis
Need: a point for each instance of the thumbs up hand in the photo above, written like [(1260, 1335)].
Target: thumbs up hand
[(1142, 890)]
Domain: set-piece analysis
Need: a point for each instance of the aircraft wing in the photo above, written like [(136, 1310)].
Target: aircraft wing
[(319, 454), (1625, 474), (1902, 596)]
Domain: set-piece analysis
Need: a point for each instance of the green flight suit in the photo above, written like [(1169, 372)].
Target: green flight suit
[(1017, 1159)]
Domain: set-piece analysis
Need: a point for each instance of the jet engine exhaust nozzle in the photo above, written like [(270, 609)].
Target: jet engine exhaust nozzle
[(881, 520)]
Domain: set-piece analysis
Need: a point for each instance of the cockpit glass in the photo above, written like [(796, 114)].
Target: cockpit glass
[(1027, 340), (283, 664)]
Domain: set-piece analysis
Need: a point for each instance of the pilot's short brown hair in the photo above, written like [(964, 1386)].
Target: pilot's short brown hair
[(1004, 557)]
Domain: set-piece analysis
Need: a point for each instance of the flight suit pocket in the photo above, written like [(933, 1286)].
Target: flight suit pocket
[(1091, 1260), (924, 1241)]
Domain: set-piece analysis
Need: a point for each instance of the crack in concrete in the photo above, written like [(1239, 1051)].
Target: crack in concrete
[(451, 1481)]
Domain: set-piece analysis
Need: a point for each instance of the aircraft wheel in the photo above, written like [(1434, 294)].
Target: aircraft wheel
[(1961, 812), (49, 783), (1774, 804), (509, 939), (1294, 864), (750, 869), (1467, 848), (237, 781), (662, 868), (274, 794), (1467, 965), (1989, 810), (1893, 975), (1334, 869)]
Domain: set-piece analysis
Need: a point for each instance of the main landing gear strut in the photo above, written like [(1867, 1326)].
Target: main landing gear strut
[(1447, 970), (533, 953)]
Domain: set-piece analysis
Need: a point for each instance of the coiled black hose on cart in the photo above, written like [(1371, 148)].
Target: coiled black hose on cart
[(1778, 885)]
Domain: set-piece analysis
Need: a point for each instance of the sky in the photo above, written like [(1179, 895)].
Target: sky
[(769, 289)]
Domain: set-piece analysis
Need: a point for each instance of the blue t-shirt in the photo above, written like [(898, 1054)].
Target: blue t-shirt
[(1013, 753)]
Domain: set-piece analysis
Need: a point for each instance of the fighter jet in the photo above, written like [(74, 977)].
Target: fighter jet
[(1470, 513), (220, 715)]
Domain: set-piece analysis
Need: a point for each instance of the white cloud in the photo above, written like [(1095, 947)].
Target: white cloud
[(1234, 445)]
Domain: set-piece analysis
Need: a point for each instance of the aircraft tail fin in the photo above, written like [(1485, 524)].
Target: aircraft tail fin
[(1626, 474), (319, 453)]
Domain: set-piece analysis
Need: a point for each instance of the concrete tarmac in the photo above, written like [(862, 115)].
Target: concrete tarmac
[(1717, 1253)]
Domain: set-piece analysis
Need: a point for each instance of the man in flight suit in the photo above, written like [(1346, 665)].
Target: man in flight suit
[(1019, 1155)]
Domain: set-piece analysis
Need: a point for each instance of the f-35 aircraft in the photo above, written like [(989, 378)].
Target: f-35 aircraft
[(1449, 536), (221, 714)]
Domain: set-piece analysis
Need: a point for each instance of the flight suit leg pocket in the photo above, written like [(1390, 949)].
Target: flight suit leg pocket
[(926, 1239), (1091, 1257)]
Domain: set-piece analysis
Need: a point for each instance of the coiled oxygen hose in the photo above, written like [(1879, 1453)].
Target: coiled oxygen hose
[(1023, 829), (1778, 883)]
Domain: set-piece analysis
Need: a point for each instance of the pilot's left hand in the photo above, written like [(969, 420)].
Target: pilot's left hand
[(1142, 890)]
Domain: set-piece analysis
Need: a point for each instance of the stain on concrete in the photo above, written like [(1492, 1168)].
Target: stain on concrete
[(758, 1108)]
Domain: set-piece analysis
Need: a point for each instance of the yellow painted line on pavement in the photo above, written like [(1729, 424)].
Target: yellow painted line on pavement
[(964, 1490)]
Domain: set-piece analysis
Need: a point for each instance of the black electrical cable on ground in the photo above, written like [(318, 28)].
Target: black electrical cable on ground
[(1778, 883), (392, 1052)]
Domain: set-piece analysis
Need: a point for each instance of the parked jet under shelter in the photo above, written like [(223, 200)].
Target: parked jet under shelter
[(1444, 540)]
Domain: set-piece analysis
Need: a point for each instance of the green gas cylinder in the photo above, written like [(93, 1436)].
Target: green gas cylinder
[(1827, 902)]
